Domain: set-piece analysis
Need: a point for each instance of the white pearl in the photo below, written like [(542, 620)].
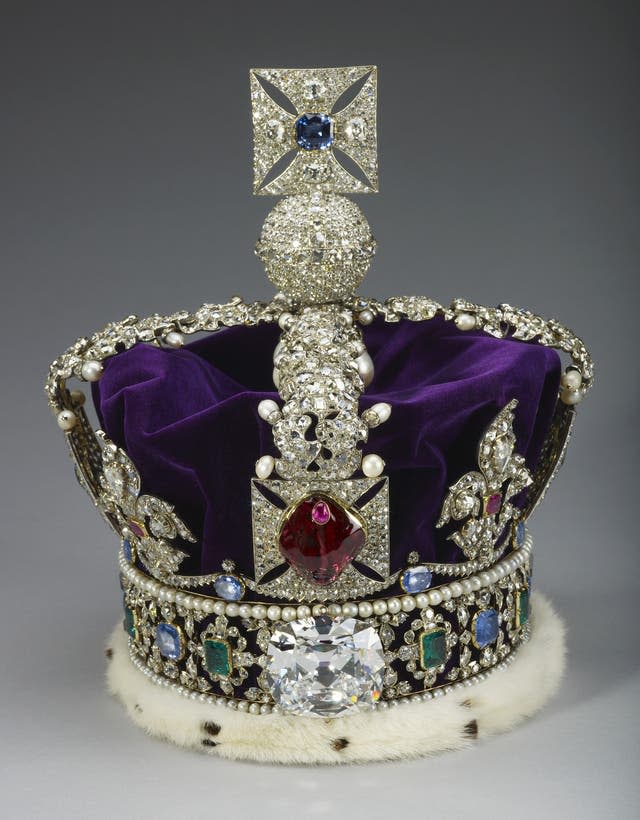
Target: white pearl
[(254, 709), (466, 585), (219, 607), (273, 613), (372, 465), (268, 408), (365, 610), (435, 597), (350, 610), (422, 600), (571, 396), (408, 603), (259, 612), (365, 317), (181, 598), (365, 368), (232, 610), (303, 611), (289, 613), (245, 610), (207, 606), (264, 466), (91, 371), (476, 583), (174, 339), (319, 609), (493, 575), (394, 606), (285, 320), (66, 420), (571, 378), (465, 321), (380, 607), (485, 578), (456, 589), (382, 410)]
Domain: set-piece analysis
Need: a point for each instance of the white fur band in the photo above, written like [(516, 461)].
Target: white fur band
[(504, 699)]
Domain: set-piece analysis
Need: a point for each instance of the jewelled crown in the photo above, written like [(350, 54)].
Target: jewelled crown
[(321, 503)]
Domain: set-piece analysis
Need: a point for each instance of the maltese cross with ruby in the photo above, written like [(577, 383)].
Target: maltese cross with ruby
[(315, 540)]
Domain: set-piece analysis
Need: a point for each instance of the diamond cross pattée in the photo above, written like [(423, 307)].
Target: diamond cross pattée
[(307, 149)]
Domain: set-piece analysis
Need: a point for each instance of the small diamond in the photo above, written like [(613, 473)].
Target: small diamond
[(324, 667), (217, 657), (314, 131), (229, 587), (486, 625), (169, 641), (416, 579), (463, 504), (502, 450), (433, 648)]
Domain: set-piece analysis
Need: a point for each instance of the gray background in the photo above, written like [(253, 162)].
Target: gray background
[(509, 140)]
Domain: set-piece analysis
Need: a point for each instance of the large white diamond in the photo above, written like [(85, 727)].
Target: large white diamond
[(325, 667)]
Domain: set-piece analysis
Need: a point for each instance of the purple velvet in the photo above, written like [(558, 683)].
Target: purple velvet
[(188, 419)]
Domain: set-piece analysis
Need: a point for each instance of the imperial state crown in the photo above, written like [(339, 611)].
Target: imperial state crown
[(322, 501)]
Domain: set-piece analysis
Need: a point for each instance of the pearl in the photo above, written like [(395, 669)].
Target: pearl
[(285, 321), (394, 606), (259, 612), (476, 583), (456, 589), (219, 607), (66, 420), (319, 609), (435, 597), (408, 603), (180, 598), (350, 610), (267, 409), (372, 465), (207, 606), (465, 321), (174, 339), (265, 466), (382, 410), (365, 317), (467, 586), (91, 371), (244, 610), (273, 613), (365, 610), (571, 379), (571, 396), (485, 578), (232, 610), (365, 368), (289, 613), (379, 607), (422, 600), (303, 611)]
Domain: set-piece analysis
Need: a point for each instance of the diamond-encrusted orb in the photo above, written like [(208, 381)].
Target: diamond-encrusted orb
[(314, 132), (316, 249), (319, 538), (325, 667)]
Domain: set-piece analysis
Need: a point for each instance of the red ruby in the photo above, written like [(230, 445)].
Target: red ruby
[(493, 504), (321, 549)]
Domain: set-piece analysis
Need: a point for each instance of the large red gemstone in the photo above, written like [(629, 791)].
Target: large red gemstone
[(319, 538)]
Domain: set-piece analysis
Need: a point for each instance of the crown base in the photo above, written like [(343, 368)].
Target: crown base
[(499, 702)]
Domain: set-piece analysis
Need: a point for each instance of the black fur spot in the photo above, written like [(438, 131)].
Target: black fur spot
[(466, 704), (210, 743), (211, 728), (339, 744), (138, 708), (109, 653), (471, 729)]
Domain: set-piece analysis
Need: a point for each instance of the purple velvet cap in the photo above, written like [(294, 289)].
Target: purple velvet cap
[(188, 419)]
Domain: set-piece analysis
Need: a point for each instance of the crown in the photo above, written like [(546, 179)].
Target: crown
[(322, 502)]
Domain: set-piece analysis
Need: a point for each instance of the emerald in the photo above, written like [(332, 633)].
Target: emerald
[(130, 623), (522, 607), (433, 648), (217, 657)]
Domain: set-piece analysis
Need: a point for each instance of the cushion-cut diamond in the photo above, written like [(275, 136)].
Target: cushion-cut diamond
[(325, 667)]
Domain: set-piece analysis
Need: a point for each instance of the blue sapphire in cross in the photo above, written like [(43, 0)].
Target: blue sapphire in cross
[(314, 131)]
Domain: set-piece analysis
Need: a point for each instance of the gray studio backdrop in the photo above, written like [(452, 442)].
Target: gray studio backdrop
[(509, 138)]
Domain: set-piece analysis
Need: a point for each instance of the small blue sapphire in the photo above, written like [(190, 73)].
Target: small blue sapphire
[(416, 579), (521, 533), (314, 131), (127, 550), (169, 641), (229, 587), (486, 627)]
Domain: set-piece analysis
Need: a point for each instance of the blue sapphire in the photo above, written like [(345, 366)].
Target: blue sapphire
[(127, 550), (486, 627), (229, 587), (169, 641), (314, 131), (416, 579), (521, 533)]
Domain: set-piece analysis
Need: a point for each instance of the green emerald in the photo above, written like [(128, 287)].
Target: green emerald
[(433, 648), (522, 607), (217, 657), (130, 622)]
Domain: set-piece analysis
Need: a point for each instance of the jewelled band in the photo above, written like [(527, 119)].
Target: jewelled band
[(213, 649)]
